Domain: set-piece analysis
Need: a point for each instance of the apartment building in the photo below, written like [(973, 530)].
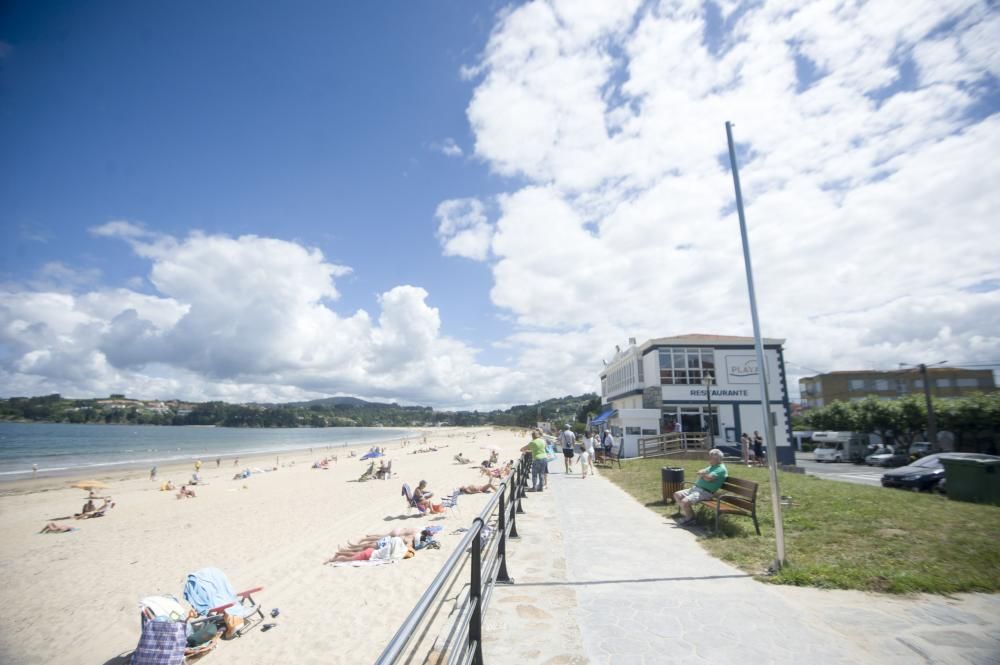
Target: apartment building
[(845, 386)]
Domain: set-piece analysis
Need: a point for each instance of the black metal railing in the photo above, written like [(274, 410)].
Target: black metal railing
[(484, 549)]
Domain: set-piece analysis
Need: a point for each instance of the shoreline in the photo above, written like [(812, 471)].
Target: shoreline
[(183, 457), (176, 469)]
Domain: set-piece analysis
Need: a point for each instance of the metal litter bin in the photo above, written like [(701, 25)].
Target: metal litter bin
[(672, 479), (975, 480)]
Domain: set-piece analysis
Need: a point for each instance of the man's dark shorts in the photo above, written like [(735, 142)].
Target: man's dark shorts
[(568, 453)]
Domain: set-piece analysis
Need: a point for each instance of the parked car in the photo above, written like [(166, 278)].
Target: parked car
[(884, 456), (919, 448), (926, 473)]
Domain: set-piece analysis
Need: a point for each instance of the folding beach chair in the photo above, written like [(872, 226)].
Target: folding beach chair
[(368, 474), (210, 594), (451, 502), (410, 502)]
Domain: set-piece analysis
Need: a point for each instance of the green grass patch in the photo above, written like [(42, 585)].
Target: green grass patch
[(844, 536)]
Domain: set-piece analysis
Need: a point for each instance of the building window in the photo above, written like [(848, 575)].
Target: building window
[(967, 383), (881, 384), (686, 366), (918, 383), (633, 431), (856, 384), (942, 383), (649, 432)]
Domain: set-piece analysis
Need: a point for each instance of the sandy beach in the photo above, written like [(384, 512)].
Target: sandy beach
[(73, 597)]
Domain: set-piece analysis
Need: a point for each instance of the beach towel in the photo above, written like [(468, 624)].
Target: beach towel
[(360, 564), (162, 643), (208, 588)]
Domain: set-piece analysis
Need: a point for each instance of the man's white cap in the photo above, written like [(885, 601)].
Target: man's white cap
[(567, 425)]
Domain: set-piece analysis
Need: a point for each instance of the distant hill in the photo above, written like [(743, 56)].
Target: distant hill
[(335, 401), (326, 412)]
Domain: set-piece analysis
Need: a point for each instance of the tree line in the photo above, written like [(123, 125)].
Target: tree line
[(321, 413), (973, 420)]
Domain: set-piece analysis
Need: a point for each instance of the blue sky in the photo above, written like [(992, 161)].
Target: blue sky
[(470, 204), (315, 125)]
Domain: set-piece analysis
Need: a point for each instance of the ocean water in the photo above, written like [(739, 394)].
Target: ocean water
[(62, 449)]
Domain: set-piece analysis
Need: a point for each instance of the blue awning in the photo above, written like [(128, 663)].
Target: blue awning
[(604, 416)]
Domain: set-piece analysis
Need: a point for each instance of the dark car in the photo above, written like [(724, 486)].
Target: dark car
[(926, 472)]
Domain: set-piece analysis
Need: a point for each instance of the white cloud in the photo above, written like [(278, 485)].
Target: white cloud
[(245, 318), (868, 204), (449, 148), (463, 228)]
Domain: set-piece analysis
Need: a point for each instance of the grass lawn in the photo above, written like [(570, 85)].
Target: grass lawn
[(844, 536)]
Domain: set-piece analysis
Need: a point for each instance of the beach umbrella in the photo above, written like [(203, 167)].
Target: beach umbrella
[(90, 485)]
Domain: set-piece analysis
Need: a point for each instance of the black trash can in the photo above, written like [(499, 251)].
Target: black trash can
[(672, 478)]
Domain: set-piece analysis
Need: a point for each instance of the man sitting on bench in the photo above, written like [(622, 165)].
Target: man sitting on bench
[(710, 479)]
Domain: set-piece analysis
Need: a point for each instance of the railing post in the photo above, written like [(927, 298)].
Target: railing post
[(521, 493), (476, 595), (519, 490), (502, 576)]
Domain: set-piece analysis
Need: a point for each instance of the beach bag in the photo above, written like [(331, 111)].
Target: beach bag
[(162, 643)]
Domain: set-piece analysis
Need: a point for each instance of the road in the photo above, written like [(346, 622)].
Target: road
[(842, 471)]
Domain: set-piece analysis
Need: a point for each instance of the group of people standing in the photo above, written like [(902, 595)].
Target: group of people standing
[(753, 448), (584, 447)]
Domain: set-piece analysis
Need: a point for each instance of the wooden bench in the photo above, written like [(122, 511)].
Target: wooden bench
[(735, 497), (600, 459)]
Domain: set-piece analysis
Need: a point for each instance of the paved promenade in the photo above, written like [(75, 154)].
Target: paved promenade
[(600, 579)]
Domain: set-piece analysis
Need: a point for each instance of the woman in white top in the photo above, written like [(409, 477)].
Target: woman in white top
[(587, 454)]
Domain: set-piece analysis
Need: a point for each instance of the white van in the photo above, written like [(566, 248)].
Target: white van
[(839, 446)]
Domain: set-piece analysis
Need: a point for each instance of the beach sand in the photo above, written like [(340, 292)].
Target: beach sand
[(73, 597)]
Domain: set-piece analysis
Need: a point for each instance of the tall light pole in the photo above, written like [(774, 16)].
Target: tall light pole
[(772, 462)]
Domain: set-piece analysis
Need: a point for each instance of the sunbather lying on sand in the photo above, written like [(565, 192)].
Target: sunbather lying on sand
[(478, 489), (392, 548), (167, 486), (462, 460), (417, 541), (499, 472), (185, 493), (52, 527)]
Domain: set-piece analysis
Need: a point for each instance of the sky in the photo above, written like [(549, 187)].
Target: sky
[(469, 205)]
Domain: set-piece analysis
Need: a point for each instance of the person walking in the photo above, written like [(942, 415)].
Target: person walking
[(587, 453), (589, 442), (567, 439), (539, 460), (152, 473), (758, 448), (34, 470)]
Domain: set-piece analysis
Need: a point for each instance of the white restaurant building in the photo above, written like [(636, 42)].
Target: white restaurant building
[(647, 389)]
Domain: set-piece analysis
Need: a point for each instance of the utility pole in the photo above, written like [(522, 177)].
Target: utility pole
[(931, 419), (765, 401)]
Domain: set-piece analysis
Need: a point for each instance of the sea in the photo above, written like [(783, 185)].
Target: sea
[(64, 449)]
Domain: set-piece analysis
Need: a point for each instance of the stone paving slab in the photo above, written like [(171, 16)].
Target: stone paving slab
[(611, 582)]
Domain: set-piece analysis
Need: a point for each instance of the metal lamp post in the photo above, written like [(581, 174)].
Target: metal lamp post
[(765, 403)]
